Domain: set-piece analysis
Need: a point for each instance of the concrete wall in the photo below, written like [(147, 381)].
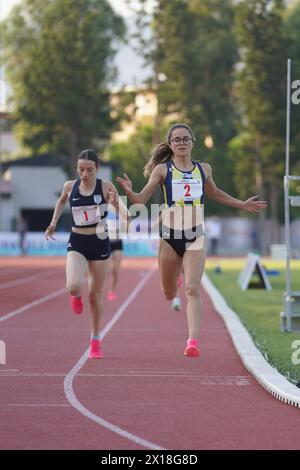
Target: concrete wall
[(35, 188)]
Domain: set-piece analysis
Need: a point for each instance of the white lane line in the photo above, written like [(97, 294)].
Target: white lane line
[(33, 304), (193, 376), (33, 404), (25, 279), (32, 374), (68, 382)]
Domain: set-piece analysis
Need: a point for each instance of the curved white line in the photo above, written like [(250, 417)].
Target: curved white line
[(68, 382)]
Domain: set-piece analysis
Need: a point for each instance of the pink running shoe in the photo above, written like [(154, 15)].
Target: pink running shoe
[(111, 295), (192, 348), (76, 304), (95, 351)]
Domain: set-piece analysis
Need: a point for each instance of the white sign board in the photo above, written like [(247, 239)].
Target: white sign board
[(253, 266)]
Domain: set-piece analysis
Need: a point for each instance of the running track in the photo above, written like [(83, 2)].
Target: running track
[(144, 393)]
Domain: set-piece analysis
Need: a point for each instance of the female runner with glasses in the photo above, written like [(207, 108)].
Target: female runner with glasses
[(184, 182)]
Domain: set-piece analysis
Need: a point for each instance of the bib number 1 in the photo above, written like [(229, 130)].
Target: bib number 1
[(86, 215)]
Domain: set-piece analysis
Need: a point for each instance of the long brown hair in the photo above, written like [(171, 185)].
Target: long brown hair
[(162, 152)]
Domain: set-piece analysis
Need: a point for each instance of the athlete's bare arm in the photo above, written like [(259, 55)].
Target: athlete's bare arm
[(218, 195), (59, 207), (112, 198), (157, 178)]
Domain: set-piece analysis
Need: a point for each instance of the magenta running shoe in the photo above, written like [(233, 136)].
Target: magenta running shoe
[(111, 295), (76, 304), (95, 351), (192, 348)]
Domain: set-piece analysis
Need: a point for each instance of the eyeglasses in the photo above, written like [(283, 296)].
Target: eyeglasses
[(184, 140)]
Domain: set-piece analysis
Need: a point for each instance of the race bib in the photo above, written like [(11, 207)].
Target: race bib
[(86, 215), (185, 190)]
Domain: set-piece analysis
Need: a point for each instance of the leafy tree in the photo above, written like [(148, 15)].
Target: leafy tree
[(192, 52), (197, 54), (58, 56), (131, 156), (260, 93)]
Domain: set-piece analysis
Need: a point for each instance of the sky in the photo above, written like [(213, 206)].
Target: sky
[(118, 5), (131, 69)]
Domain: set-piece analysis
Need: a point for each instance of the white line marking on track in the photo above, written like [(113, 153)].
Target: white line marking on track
[(178, 371), (33, 304), (25, 279), (204, 379), (68, 382), (33, 404), (31, 374)]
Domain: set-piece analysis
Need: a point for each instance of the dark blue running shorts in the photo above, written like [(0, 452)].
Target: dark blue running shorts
[(116, 245), (91, 247)]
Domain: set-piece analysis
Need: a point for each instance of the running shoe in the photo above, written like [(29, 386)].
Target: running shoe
[(111, 295), (176, 304), (76, 304), (192, 348), (95, 351)]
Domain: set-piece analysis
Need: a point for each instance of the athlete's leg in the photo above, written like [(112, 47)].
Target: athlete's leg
[(76, 268), (96, 279), (193, 264), (170, 265), (116, 259)]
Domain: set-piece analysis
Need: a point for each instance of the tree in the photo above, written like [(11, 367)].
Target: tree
[(58, 58), (260, 92), (192, 52), (131, 156)]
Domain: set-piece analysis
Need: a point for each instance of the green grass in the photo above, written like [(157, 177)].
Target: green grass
[(259, 310)]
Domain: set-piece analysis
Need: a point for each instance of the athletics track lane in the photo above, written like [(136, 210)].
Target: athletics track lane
[(143, 384)]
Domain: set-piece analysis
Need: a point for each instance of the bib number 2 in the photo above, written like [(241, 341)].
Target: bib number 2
[(187, 189)]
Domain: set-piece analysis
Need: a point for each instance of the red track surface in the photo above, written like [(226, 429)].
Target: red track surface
[(143, 385)]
